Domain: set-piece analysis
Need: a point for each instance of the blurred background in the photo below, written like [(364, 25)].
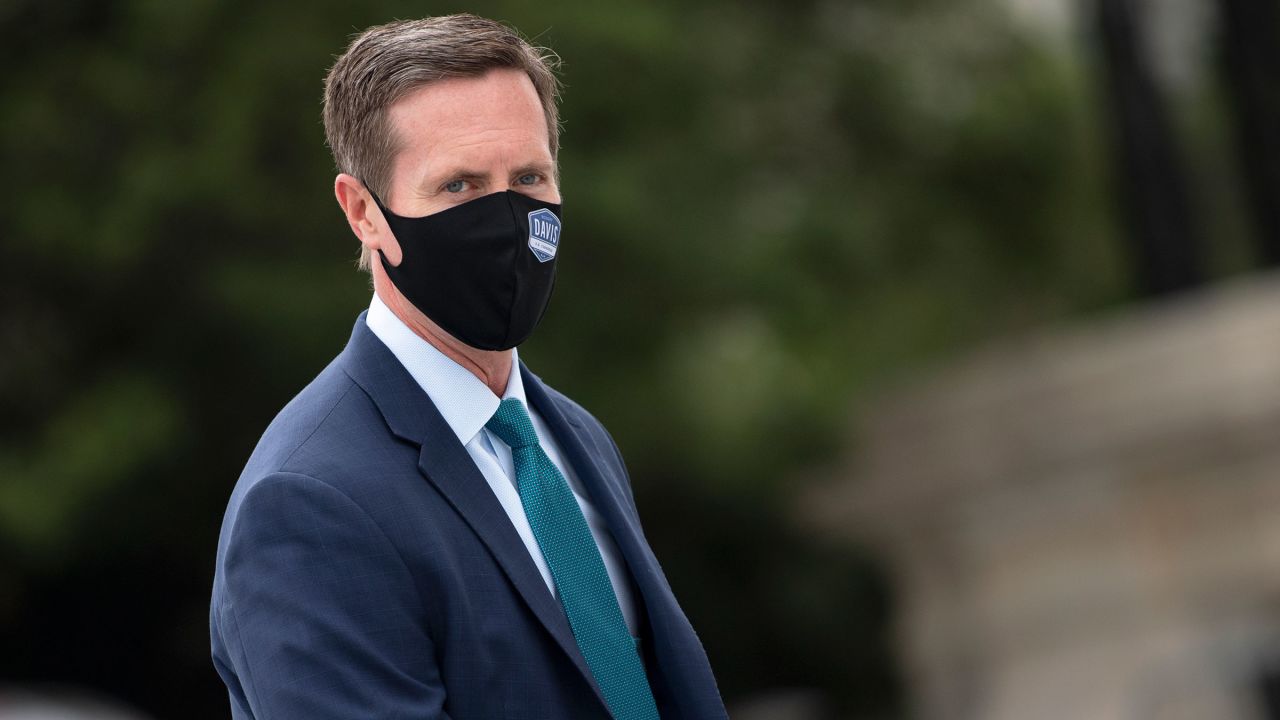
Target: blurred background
[(940, 336)]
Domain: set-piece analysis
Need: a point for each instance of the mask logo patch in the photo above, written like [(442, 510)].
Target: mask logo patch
[(544, 234)]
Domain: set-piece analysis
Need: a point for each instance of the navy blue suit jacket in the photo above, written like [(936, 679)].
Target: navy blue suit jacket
[(366, 570)]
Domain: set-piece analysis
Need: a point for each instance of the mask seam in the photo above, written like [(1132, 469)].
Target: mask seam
[(522, 244)]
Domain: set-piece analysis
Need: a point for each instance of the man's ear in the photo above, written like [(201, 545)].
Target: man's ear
[(364, 217)]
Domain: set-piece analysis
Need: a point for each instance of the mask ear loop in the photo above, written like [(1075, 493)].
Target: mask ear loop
[(386, 215), (376, 200)]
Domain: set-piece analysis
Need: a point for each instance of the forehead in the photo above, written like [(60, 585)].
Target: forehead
[(495, 112)]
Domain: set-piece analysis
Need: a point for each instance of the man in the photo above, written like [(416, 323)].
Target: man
[(427, 530)]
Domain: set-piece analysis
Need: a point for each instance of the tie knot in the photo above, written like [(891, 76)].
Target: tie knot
[(512, 424)]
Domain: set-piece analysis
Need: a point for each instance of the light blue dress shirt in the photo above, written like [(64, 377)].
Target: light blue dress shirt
[(466, 404)]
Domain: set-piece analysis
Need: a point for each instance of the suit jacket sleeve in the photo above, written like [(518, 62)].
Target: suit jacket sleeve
[(321, 615)]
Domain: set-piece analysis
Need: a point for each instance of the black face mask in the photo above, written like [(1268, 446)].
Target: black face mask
[(482, 270)]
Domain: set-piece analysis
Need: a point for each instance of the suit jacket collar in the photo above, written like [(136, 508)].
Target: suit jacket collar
[(465, 401), (393, 390)]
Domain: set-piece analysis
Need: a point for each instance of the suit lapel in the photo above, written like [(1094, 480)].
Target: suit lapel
[(678, 664), (448, 466), (412, 416), (607, 495)]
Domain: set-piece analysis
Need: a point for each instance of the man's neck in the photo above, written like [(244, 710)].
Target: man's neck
[(493, 367)]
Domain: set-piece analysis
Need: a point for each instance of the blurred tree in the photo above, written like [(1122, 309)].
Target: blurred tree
[(1165, 235), (1250, 41)]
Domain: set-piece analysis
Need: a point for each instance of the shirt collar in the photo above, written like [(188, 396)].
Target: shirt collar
[(464, 401)]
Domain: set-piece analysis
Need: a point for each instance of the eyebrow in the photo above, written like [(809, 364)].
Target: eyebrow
[(535, 167)]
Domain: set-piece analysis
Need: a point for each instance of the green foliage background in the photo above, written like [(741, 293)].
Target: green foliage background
[(772, 209)]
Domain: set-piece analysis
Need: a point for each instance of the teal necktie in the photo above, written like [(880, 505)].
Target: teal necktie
[(576, 567)]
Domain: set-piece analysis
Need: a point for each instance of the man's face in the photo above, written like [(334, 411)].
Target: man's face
[(458, 139), (462, 138)]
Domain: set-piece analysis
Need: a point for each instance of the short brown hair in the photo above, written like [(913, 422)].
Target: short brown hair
[(387, 62)]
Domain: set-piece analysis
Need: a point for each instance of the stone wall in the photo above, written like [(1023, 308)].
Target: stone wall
[(1084, 523)]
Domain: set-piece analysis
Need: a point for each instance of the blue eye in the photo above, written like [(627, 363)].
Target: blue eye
[(527, 179), (455, 186)]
